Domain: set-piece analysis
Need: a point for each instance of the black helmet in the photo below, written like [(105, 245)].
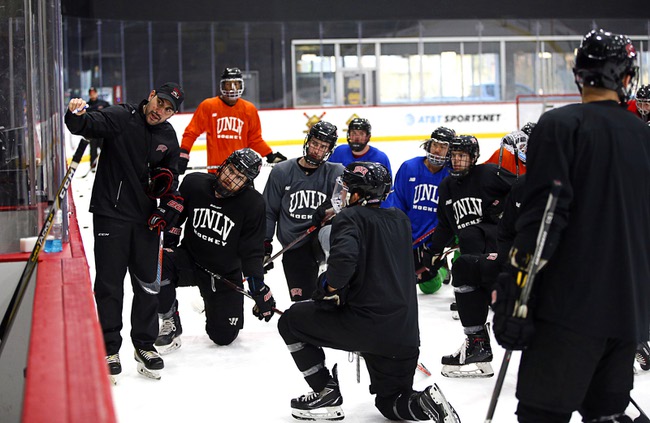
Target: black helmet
[(362, 125), (604, 60), (441, 135), (325, 132), (643, 100), (528, 128), (467, 144), (232, 74), (247, 162), (370, 180)]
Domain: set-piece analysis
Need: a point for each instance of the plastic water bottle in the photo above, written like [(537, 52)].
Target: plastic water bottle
[(53, 242)]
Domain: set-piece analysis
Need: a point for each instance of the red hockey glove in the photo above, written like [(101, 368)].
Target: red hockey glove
[(167, 214)]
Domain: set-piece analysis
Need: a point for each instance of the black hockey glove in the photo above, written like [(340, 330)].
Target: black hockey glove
[(183, 161), (328, 298), (160, 182), (511, 332), (268, 251), (322, 212), (264, 301), (173, 237), (167, 214), (276, 157)]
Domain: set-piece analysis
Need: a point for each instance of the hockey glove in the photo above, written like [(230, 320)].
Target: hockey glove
[(513, 328), (183, 161), (326, 297), (167, 214), (173, 237), (268, 251), (160, 182), (275, 158), (264, 301), (323, 212)]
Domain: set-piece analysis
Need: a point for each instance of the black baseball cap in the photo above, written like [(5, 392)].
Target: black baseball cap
[(173, 92)]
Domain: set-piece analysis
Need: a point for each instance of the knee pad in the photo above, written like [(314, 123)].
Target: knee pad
[(223, 336), (466, 271)]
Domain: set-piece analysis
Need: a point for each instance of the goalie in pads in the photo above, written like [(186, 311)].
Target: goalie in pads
[(364, 302)]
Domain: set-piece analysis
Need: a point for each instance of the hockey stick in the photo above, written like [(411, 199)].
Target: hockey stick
[(233, 286), (426, 234), (643, 417), (19, 293), (93, 165), (153, 288), (213, 167), (521, 307), (299, 238)]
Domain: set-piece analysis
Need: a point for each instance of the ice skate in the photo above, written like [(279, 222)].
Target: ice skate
[(114, 367), (149, 363), (643, 355), (454, 311), (169, 338), (435, 405), (472, 360), (323, 405)]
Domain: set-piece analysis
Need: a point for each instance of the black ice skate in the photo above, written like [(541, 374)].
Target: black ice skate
[(149, 363), (114, 367), (323, 405), (435, 405), (472, 360), (169, 337), (643, 355)]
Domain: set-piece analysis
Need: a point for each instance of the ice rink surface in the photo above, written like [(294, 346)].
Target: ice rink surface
[(254, 378)]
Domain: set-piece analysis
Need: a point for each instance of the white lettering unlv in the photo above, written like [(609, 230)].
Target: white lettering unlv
[(214, 220), (425, 192), (306, 199), (229, 123), (465, 206)]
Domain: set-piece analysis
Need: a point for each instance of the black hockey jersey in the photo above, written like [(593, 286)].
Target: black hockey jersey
[(223, 235), (597, 279), (469, 207), (371, 253)]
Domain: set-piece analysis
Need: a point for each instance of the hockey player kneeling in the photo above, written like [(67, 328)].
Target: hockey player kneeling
[(365, 302)]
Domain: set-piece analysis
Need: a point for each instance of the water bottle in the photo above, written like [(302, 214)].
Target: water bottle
[(53, 242)]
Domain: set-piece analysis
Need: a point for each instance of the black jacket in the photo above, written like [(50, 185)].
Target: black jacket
[(597, 279), (132, 148)]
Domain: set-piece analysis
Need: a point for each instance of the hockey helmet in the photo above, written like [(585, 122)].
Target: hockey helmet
[(236, 172), (643, 101), (517, 143), (604, 60), (441, 135), (323, 132), (232, 75), (466, 144), (358, 144), (371, 181)]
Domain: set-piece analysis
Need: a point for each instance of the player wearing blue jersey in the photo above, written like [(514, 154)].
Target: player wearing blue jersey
[(416, 193), (358, 148)]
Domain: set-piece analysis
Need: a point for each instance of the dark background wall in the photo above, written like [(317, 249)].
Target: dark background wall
[(327, 10)]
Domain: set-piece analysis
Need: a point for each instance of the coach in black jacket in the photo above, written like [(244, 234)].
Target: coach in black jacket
[(139, 164)]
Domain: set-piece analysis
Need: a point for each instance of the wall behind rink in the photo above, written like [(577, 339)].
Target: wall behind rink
[(487, 121)]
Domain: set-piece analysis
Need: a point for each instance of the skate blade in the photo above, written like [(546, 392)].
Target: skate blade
[(166, 349), (439, 398), (470, 370), (324, 413), (151, 374), (454, 315), (113, 379)]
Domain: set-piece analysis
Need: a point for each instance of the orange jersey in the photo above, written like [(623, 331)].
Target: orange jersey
[(228, 128), (507, 162)]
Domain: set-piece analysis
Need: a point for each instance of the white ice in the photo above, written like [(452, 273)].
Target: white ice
[(254, 378)]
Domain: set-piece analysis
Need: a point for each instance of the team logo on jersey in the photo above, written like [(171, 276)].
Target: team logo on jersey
[(296, 292), (468, 207), (212, 226), (161, 147), (427, 194), (303, 203), (287, 188), (412, 179), (233, 321), (229, 127)]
